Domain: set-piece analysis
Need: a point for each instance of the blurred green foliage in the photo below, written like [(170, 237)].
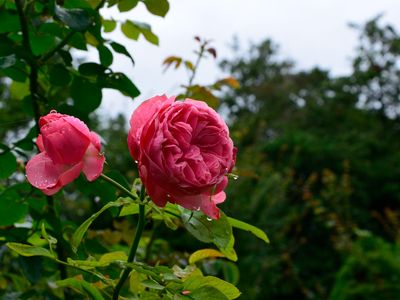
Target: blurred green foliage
[(319, 167)]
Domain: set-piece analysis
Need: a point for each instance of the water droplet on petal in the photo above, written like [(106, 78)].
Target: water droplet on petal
[(168, 196), (53, 111), (198, 208), (136, 162)]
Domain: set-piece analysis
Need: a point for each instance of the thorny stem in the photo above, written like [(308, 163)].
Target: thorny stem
[(135, 244)]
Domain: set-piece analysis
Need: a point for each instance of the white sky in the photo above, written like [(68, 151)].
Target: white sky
[(311, 32)]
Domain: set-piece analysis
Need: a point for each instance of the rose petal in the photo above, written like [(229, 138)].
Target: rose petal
[(63, 142), (52, 191), (39, 143), (93, 163), (205, 203), (50, 118), (95, 140), (157, 194), (41, 171), (140, 117), (69, 173)]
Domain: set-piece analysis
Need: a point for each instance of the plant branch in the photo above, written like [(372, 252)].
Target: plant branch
[(196, 65), (33, 75), (58, 47), (66, 39), (119, 186), (135, 244)]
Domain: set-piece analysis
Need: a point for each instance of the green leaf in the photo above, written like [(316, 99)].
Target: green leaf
[(122, 50), (8, 164), (229, 251), (59, 75), (109, 25), (130, 30), (19, 90), (135, 279), (113, 256), (247, 227), (42, 43), (207, 230), (12, 209), (76, 19), (105, 55), (157, 7), (145, 29), (187, 272), (91, 69), (85, 264), (204, 253), (7, 61), (82, 286), (133, 30), (78, 41), (86, 95), (9, 22), (196, 282), (230, 272), (28, 250), (151, 284), (80, 232), (207, 292), (130, 209), (50, 239), (126, 5), (120, 82)]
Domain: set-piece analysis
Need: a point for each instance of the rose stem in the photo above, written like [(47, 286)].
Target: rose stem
[(118, 186), (135, 244)]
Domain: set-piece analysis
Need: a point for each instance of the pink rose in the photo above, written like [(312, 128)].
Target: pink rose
[(66, 147), (184, 153)]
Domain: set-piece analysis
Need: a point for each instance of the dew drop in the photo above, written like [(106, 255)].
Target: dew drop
[(209, 219), (235, 177), (136, 162), (168, 196), (198, 208), (97, 199), (53, 111)]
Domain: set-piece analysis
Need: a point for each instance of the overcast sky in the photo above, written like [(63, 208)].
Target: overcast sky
[(311, 32)]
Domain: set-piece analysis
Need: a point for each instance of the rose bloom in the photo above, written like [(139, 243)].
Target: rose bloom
[(66, 147), (184, 153)]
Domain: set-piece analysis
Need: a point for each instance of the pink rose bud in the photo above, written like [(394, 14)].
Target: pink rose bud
[(66, 147), (184, 153)]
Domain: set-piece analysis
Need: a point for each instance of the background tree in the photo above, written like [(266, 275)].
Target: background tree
[(317, 167)]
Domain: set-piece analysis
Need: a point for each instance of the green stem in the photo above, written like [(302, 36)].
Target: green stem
[(135, 244), (58, 47), (196, 65), (33, 75), (119, 186)]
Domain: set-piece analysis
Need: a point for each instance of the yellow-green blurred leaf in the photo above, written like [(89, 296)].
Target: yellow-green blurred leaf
[(204, 253)]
